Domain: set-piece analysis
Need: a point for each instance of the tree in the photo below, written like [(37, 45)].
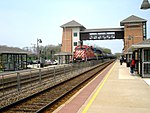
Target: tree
[(107, 51), (47, 52), (118, 55)]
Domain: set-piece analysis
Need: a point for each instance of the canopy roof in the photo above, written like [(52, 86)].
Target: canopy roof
[(12, 50), (64, 54), (102, 30), (144, 44)]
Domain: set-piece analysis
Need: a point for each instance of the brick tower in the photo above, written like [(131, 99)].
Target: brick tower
[(134, 31), (71, 35)]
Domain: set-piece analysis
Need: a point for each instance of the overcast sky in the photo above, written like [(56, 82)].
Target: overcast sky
[(23, 21)]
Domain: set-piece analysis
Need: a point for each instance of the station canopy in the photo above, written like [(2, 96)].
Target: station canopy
[(144, 44)]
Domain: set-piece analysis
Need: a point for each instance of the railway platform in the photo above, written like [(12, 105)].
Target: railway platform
[(118, 92)]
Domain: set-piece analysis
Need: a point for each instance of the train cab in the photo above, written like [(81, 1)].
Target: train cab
[(83, 53)]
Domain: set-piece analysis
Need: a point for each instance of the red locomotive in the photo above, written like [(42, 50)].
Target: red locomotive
[(83, 53)]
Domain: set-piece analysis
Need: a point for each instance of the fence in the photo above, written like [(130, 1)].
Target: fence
[(19, 84)]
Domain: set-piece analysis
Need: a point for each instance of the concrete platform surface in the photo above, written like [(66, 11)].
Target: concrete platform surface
[(121, 93)]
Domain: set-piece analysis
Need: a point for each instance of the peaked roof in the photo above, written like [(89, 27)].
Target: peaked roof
[(6, 49), (72, 23), (132, 19)]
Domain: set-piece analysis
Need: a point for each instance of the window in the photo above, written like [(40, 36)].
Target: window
[(147, 55), (75, 34), (75, 43), (144, 31)]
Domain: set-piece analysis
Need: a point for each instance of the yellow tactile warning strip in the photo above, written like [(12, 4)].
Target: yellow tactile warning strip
[(77, 103), (98, 90)]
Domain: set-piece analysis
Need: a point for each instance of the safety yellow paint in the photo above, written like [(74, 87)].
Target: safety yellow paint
[(98, 90)]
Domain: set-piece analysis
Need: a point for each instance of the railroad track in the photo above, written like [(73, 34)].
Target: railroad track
[(46, 77), (46, 98), (28, 80)]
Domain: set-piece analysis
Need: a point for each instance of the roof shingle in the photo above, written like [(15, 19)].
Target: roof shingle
[(132, 19), (72, 23)]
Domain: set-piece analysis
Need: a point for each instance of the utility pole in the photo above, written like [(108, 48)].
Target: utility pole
[(38, 41)]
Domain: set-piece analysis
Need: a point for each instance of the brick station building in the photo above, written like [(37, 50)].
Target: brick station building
[(71, 35), (134, 32)]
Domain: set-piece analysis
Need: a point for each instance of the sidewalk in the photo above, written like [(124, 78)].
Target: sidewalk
[(121, 93)]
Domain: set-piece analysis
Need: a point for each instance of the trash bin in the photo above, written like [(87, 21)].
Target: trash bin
[(128, 64), (41, 65)]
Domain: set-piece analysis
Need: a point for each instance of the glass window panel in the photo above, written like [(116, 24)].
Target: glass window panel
[(147, 55), (75, 34), (75, 43), (146, 68)]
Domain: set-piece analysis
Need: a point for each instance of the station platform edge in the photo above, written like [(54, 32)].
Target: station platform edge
[(118, 92)]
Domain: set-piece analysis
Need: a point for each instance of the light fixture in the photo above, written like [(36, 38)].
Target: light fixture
[(145, 4), (38, 52), (39, 40)]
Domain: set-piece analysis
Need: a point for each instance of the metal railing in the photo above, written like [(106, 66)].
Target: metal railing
[(15, 84)]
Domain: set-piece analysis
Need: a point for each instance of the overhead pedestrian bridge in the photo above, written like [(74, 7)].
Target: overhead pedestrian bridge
[(102, 34)]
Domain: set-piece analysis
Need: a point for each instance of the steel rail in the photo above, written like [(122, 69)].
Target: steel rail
[(50, 103)]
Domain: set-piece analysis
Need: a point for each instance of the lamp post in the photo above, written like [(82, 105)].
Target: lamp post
[(38, 41), (145, 4), (33, 48)]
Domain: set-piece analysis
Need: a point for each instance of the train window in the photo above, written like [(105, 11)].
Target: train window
[(75, 34), (80, 48)]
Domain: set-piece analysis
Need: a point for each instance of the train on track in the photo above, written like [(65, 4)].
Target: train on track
[(83, 53), (86, 53)]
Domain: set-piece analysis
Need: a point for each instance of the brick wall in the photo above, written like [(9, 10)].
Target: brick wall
[(66, 40), (133, 34)]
